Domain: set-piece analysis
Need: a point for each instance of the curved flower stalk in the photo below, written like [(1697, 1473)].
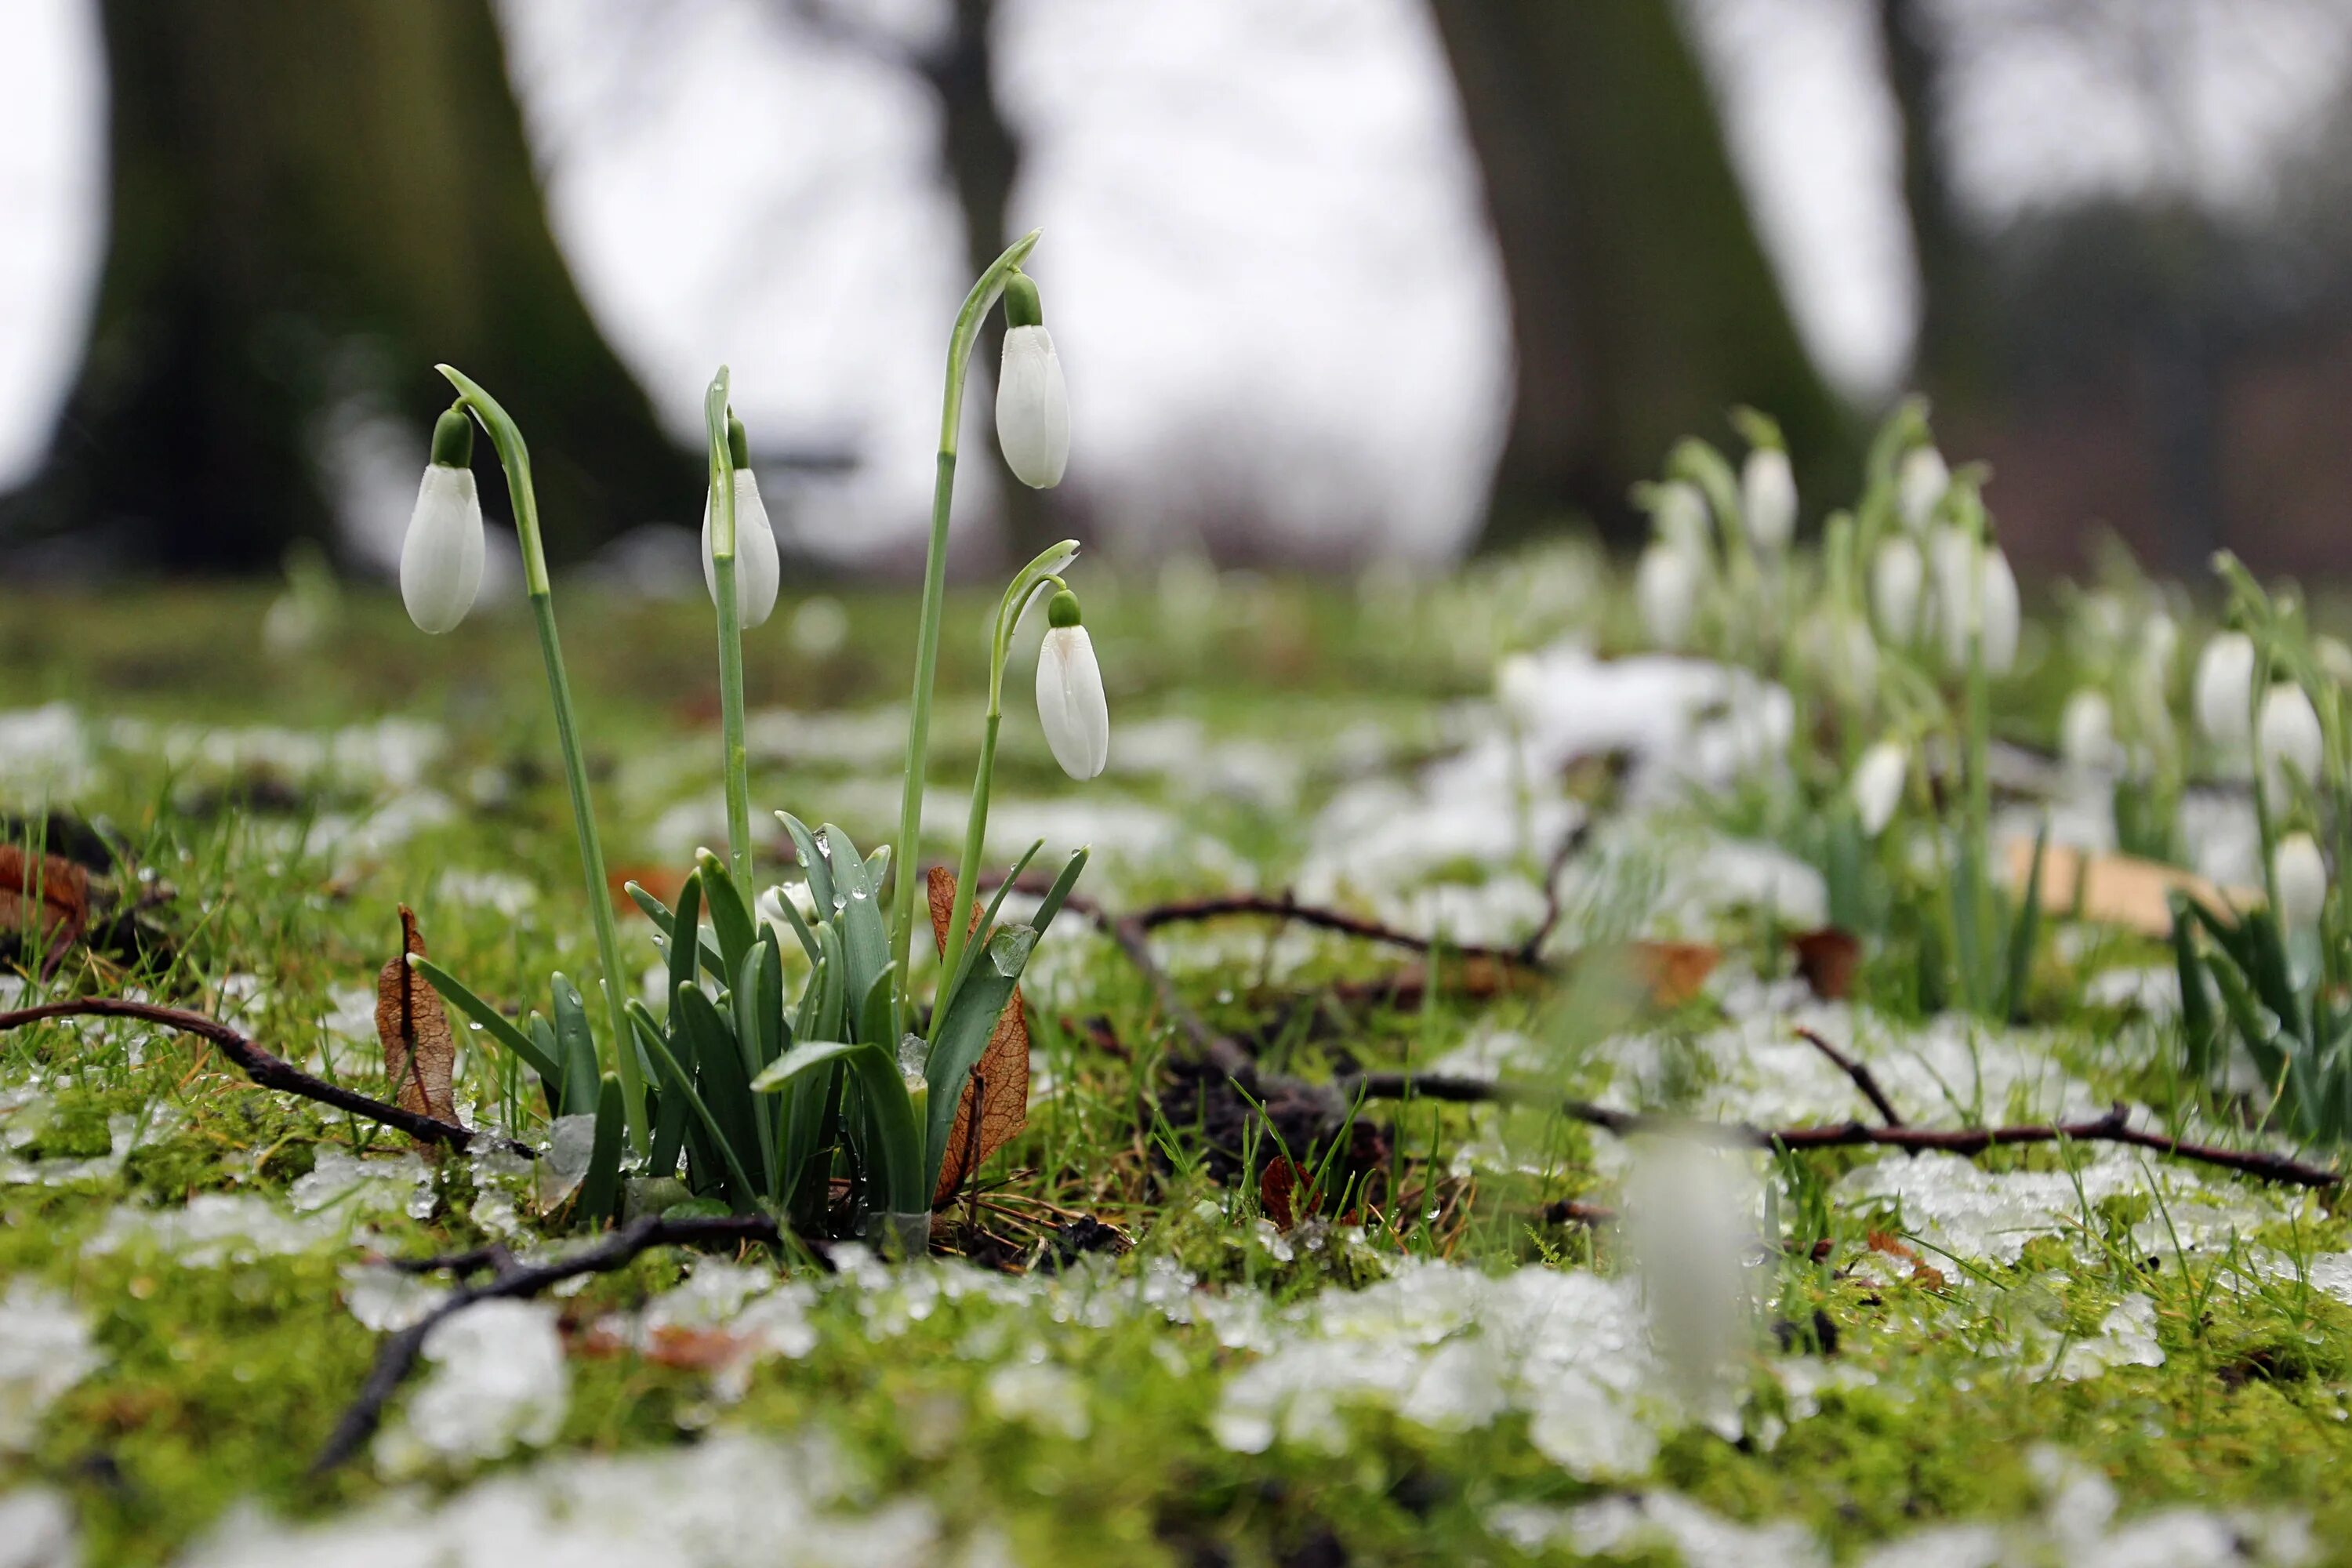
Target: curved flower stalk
[(725, 531)]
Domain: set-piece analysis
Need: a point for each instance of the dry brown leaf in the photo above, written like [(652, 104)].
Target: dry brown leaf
[(44, 897), (1670, 972), (1828, 958), (999, 1084), (1922, 1271), (419, 1053), (1280, 1190), (2116, 889), (664, 882)]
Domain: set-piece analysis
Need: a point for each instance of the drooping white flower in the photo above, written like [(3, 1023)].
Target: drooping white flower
[(1518, 690), (2333, 658), (1896, 576), (1070, 703), (1678, 516), (1993, 602), (441, 558), (1841, 652), (1920, 481), (1768, 499), (1665, 588), (2289, 736), (2300, 874), (1877, 785), (2086, 732), (1033, 408), (758, 567), (2224, 695)]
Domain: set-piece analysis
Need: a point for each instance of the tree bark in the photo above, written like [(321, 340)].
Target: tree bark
[(1642, 306), (1954, 353), (312, 202)]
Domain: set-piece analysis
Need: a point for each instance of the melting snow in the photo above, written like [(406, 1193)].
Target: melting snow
[(497, 1380), (45, 1349)]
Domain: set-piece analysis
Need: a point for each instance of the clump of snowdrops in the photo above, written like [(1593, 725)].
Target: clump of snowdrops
[(747, 1096)]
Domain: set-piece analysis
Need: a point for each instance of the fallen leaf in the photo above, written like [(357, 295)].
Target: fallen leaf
[(999, 1085), (1283, 1193), (1671, 972), (1922, 1271), (419, 1053), (44, 897), (663, 882), (1828, 958), (2116, 889)]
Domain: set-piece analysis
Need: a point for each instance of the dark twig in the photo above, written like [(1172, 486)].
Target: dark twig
[(1864, 1079), (268, 1072), (1221, 1052), (1531, 951), (513, 1281), (1290, 910)]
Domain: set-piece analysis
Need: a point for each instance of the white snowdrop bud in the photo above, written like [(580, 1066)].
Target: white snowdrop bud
[(1840, 650), (2300, 873), (441, 557), (1665, 587), (1878, 785), (1691, 1221), (2289, 736), (759, 568), (1678, 516), (1032, 407), (1993, 602), (1768, 496), (1896, 576), (2224, 695), (1518, 690), (2333, 658), (1070, 702), (2086, 732), (1920, 481)]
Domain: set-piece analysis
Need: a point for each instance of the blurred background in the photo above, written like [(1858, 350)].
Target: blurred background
[(1333, 280)]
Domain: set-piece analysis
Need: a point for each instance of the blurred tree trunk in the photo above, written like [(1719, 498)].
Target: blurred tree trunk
[(1642, 306), (1952, 359), (312, 202)]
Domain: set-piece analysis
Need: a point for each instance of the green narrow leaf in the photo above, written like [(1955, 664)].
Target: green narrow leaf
[(2197, 1021), (600, 1189), (865, 940), (689, 925), (800, 1059), (724, 1082), (800, 926), (495, 1024), (729, 918), (814, 865), (980, 937), (649, 1034), (876, 1012), (2024, 929), (963, 1035), (576, 1049)]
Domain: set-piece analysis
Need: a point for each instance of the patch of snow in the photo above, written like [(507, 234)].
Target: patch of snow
[(36, 1529), (216, 1228), (23, 1107), (499, 891), (497, 1380), (44, 753), (356, 1185), (45, 1349)]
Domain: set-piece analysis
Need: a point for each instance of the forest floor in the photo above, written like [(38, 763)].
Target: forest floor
[(1135, 1346)]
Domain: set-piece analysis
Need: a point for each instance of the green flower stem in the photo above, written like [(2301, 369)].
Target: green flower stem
[(1032, 580), (731, 640), (515, 458), (976, 305)]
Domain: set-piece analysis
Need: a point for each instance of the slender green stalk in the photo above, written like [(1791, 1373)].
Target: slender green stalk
[(1032, 580), (515, 458), (976, 305), (731, 640)]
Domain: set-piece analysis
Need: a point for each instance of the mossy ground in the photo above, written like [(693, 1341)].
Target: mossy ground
[(221, 1383)]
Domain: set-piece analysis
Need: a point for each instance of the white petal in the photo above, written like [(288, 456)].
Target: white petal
[(2289, 732), (1896, 575), (441, 558), (2086, 730), (1769, 498), (2225, 692), (2301, 877), (1878, 785), (1070, 703), (1920, 483), (1665, 586), (1033, 408), (759, 568)]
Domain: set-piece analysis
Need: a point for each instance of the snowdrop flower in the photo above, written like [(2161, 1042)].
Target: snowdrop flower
[(2224, 691), (1841, 650), (1665, 587), (2086, 732), (1518, 690), (1033, 408), (2300, 874), (1690, 1224), (441, 558), (2288, 735), (2333, 658), (1768, 499), (1878, 785), (1995, 600), (1678, 516), (1070, 704), (1896, 575), (758, 569), (1920, 482)]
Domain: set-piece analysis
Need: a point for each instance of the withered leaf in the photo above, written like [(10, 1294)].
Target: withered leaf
[(419, 1053), (2116, 889), (43, 897), (999, 1085), (1670, 972), (1285, 1193), (1923, 1272), (1828, 958)]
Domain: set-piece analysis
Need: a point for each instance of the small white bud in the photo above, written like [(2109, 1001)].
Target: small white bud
[(1768, 496), (758, 567), (1841, 652), (1920, 481), (2086, 732), (1678, 516), (2289, 736), (441, 557), (1070, 703), (1665, 587), (2333, 658), (1033, 408), (2300, 873), (1896, 576), (2225, 692), (1518, 690), (1994, 602), (1878, 785)]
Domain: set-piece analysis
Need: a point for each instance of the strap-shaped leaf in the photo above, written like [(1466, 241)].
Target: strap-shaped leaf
[(742, 1192), (663, 924), (686, 936), (729, 917), (864, 939), (720, 1075), (2021, 933), (2198, 1022), (575, 1048), (877, 1013), (497, 1025), (814, 865), (799, 927), (802, 1058), (600, 1189), (963, 1035), (980, 933)]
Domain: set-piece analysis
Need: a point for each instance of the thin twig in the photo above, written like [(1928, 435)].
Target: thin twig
[(1291, 911), (514, 1281), (1864, 1079), (268, 1072), (1555, 907)]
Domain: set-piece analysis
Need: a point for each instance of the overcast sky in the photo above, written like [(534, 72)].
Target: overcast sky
[(1264, 262)]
